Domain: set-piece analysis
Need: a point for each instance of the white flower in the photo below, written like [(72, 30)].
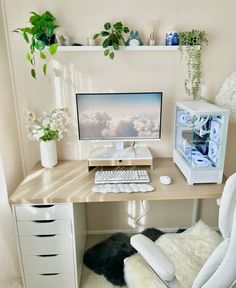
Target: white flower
[(48, 125)]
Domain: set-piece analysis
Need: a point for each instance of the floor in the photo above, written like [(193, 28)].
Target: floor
[(89, 279)]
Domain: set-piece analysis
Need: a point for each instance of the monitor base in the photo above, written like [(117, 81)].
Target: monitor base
[(131, 156)]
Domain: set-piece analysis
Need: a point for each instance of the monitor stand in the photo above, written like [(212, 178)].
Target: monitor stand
[(121, 156)]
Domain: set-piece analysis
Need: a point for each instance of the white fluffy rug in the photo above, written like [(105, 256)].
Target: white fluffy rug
[(90, 279), (188, 252)]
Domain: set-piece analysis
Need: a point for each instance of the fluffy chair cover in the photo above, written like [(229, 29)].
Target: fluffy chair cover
[(188, 252)]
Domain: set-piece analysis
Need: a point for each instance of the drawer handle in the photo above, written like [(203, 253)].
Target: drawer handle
[(49, 274), (43, 206), (49, 235), (44, 221), (49, 255)]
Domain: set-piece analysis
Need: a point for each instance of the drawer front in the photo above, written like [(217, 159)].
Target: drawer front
[(44, 227), (48, 264), (49, 244), (43, 212), (50, 281)]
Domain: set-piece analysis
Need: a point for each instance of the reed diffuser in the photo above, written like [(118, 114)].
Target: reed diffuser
[(152, 25)]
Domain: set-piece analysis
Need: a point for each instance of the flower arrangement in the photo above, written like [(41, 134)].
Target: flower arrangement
[(47, 126)]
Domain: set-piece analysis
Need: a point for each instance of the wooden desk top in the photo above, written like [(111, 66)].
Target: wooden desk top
[(70, 182)]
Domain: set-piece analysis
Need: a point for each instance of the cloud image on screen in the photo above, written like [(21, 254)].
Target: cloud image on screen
[(119, 116)]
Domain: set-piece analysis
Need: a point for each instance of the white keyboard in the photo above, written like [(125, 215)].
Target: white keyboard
[(121, 176)]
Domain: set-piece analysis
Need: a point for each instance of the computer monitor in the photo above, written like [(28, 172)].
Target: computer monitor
[(119, 116)]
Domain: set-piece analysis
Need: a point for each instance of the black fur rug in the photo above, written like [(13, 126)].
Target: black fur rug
[(107, 258)]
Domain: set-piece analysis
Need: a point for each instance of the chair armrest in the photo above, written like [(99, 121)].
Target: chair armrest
[(154, 256)]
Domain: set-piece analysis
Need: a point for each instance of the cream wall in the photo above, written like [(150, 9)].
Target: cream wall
[(130, 71), (9, 144)]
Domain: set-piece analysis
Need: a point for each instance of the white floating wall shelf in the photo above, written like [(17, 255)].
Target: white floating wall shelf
[(125, 48)]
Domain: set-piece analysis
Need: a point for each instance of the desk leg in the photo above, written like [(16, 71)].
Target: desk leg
[(195, 211)]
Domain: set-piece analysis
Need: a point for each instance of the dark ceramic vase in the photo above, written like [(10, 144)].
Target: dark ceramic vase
[(47, 41)]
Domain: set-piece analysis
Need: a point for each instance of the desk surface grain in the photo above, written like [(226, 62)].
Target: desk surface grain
[(70, 182)]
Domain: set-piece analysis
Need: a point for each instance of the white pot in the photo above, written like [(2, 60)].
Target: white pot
[(48, 153)]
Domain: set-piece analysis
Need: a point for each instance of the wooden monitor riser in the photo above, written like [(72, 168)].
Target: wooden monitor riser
[(137, 156)]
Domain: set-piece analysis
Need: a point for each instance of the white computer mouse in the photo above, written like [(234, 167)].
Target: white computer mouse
[(166, 180)]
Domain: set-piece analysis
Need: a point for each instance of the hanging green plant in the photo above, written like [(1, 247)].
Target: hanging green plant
[(193, 41), (39, 36), (113, 37)]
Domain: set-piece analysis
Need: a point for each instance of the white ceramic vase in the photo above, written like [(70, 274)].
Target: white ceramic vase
[(48, 153)]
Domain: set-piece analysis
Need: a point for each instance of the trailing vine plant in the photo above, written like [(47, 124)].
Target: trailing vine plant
[(193, 41), (39, 35), (113, 37)]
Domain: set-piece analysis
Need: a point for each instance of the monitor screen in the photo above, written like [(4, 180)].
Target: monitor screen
[(119, 116)]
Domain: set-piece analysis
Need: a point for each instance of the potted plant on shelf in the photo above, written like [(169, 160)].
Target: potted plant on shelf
[(39, 35), (47, 128), (113, 37), (193, 41)]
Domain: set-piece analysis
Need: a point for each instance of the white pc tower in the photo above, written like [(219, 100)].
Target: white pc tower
[(200, 141)]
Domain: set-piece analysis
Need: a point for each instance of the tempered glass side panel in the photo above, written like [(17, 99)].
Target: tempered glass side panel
[(184, 134), (198, 138)]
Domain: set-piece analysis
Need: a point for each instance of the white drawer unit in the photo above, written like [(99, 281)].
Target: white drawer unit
[(53, 263), (43, 212), (50, 281), (43, 227), (51, 241), (46, 244)]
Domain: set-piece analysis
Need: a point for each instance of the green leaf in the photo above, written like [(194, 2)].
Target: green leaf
[(106, 43), (105, 33), (48, 16), (49, 32), (115, 39), (112, 55), (106, 52), (32, 45), (107, 26), (118, 35), (50, 24), (44, 69), (115, 46), (36, 35), (26, 37), (95, 36), (34, 19), (17, 30), (126, 29), (42, 55), (27, 30), (34, 13), (28, 57), (33, 73), (118, 26), (39, 45), (53, 49)]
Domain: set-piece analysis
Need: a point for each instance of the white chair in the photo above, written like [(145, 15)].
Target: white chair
[(198, 257)]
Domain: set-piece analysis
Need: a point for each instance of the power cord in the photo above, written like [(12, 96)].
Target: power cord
[(144, 213), (132, 147)]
